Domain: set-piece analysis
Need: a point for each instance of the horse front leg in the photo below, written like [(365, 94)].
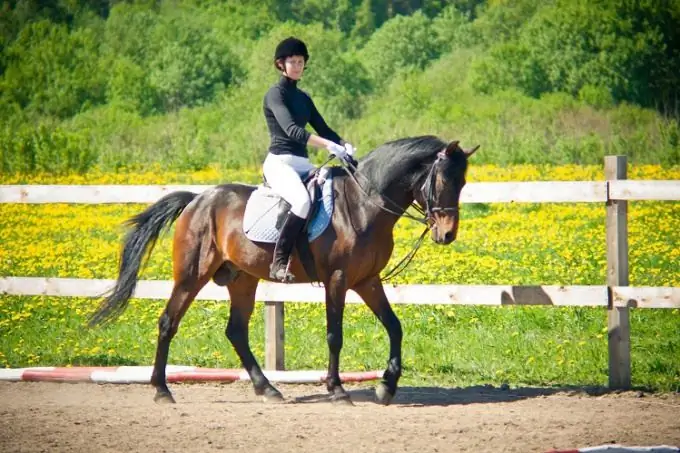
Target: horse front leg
[(373, 293), (335, 308), (242, 293)]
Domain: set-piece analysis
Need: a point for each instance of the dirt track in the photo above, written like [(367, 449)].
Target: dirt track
[(51, 417)]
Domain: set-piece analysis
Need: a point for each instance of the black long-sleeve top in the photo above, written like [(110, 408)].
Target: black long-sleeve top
[(287, 110)]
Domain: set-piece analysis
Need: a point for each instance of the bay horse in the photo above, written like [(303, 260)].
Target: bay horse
[(209, 243)]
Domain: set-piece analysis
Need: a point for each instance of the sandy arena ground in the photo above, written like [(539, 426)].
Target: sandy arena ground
[(54, 417)]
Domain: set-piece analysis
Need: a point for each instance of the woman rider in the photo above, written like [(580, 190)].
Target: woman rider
[(287, 110)]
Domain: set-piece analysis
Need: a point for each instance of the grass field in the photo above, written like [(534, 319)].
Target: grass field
[(463, 345)]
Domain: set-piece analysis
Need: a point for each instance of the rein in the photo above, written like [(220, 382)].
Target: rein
[(403, 212), (427, 190)]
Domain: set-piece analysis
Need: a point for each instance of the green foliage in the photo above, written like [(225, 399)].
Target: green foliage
[(618, 46), (597, 96), (452, 30), (189, 70), (238, 21), (502, 20), (180, 83), (338, 83), (52, 71), (509, 66), (365, 22), (333, 14), (172, 61), (52, 150), (129, 33), (402, 43), (128, 86)]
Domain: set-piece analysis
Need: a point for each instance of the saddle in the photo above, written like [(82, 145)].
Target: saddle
[(313, 182), (266, 211)]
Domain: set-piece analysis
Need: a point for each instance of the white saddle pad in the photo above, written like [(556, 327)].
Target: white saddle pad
[(262, 210)]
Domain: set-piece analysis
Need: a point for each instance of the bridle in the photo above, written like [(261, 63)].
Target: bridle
[(427, 191), (429, 198)]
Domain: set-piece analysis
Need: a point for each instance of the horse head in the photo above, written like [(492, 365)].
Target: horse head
[(439, 194)]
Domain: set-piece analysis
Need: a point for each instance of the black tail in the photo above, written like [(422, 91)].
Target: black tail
[(147, 227)]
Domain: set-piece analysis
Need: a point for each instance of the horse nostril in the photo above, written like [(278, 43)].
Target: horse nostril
[(448, 237)]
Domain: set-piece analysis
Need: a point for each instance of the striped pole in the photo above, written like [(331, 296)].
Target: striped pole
[(175, 373)]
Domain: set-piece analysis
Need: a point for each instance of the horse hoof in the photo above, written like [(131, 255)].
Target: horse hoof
[(341, 400), (164, 398), (383, 395), (272, 396)]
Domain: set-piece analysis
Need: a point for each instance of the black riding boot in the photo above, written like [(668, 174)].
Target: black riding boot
[(284, 246)]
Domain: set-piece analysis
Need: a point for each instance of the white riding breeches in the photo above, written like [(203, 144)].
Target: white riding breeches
[(284, 174)]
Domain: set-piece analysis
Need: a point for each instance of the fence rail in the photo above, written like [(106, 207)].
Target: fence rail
[(556, 295), (480, 192), (616, 296)]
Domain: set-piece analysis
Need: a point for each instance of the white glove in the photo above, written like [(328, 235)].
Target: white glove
[(337, 150), (350, 149)]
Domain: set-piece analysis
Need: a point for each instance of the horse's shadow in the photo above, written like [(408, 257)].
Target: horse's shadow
[(439, 396)]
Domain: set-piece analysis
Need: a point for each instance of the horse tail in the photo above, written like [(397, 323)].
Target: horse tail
[(140, 240)]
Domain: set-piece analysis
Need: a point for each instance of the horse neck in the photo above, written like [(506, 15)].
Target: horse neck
[(399, 196), (375, 207)]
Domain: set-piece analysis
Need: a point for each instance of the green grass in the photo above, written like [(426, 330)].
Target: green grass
[(443, 345)]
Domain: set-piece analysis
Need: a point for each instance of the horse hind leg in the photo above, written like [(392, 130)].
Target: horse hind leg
[(182, 296), (191, 273), (242, 295)]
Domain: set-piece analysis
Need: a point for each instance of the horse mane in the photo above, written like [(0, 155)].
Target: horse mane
[(402, 160)]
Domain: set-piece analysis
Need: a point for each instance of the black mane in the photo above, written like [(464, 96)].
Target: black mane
[(403, 160)]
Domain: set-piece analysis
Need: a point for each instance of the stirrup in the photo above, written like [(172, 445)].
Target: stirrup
[(281, 273)]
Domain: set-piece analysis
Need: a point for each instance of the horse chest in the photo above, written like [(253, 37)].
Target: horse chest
[(375, 252)]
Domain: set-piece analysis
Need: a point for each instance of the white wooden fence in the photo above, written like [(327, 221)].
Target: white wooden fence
[(616, 296)]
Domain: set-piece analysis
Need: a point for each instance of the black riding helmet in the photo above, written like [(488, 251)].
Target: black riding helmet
[(289, 47)]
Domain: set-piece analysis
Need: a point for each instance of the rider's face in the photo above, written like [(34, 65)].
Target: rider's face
[(294, 67)]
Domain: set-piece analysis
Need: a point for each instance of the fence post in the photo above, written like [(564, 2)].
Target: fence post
[(274, 336), (615, 167)]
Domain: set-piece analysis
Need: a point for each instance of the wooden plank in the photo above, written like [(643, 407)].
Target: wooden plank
[(618, 318), (402, 294), (91, 194), (63, 287), (482, 192), (274, 336), (77, 287), (644, 190), (623, 296), (486, 192), (535, 192), (498, 295), (646, 297)]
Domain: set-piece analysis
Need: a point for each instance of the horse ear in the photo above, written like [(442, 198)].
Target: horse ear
[(451, 147), (470, 152)]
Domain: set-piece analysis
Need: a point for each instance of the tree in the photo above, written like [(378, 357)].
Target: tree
[(53, 71), (166, 61), (622, 45), (598, 50), (402, 43), (365, 21)]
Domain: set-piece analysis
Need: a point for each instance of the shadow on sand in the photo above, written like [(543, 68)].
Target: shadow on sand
[(439, 396)]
